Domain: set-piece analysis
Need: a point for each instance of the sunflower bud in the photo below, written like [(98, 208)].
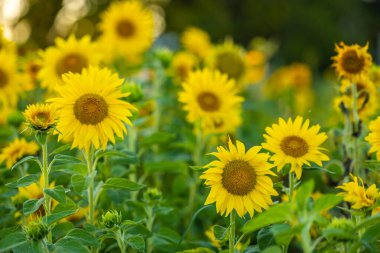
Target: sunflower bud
[(41, 117), (152, 195), (36, 230), (135, 91), (111, 218)]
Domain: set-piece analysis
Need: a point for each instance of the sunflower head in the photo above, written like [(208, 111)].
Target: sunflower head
[(294, 143), (239, 180), (229, 59), (208, 96), (17, 149), (91, 109), (374, 75), (127, 28), (71, 55), (196, 41), (373, 137), (41, 117), (352, 61), (9, 79), (182, 64), (357, 195), (36, 230)]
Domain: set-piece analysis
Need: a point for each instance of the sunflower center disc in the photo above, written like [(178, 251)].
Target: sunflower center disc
[(125, 28), (90, 109), (3, 78), (208, 101), (230, 64), (71, 63), (42, 117), (238, 177), (352, 63), (294, 146)]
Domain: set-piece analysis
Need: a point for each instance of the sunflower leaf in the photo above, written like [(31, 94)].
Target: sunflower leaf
[(32, 205), (26, 159), (24, 181)]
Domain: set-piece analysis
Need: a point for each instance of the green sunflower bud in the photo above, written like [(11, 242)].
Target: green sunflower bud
[(152, 195), (135, 91), (111, 219), (36, 230)]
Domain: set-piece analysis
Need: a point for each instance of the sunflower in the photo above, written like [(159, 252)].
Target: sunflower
[(209, 96), (293, 142), (256, 65), (182, 64), (351, 62), (374, 75), (91, 109), (357, 195), (67, 56), (366, 103), (239, 180), (30, 69), (17, 149), (227, 124), (41, 117), (5, 44), (196, 41), (229, 59), (373, 137), (9, 79), (127, 28)]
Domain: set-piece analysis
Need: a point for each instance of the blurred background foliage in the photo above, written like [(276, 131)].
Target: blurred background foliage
[(305, 30)]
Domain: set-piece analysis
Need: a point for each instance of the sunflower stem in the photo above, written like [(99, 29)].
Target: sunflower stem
[(291, 186), (45, 174), (355, 130), (90, 190), (232, 232)]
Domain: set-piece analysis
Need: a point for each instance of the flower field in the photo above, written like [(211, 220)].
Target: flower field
[(118, 135)]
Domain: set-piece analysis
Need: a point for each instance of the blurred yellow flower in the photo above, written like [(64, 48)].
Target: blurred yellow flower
[(208, 96), (210, 235), (256, 64), (91, 109), (9, 79), (294, 143), (17, 149), (229, 59), (374, 75), (182, 64), (224, 125), (351, 62), (41, 117), (196, 41), (239, 180), (30, 69), (356, 194), (71, 55), (127, 29), (373, 137)]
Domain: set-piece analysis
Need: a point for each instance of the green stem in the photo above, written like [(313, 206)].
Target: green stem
[(149, 225), (232, 232), (120, 241), (354, 168), (45, 174), (90, 190), (291, 186)]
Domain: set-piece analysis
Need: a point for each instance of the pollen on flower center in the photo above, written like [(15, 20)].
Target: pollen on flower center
[(3, 78), (352, 63), (90, 109), (238, 177), (125, 28), (208, 101), (41, 116), (230, 64), (71, 63), (294, 146)]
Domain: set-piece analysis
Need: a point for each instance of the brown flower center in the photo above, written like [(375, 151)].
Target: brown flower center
[(294, 146), (71, 63), (238, 177), (125, 28), (42, 116), (352, 62), (3, 78), (90, 109), (208, 101), (230, 64)]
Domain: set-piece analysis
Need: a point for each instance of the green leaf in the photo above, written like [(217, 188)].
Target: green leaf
[(78, 182), (338, 233), (65, 159), (122, 183), (272, 249), (371, 234), (275, 214), (27, 159), (265, 238), (166, 167), (12, 240), (136, 242), (32, 205), (61, 211), (57, 193), (60, 149), (24, 181), (220, 233), (85, 237), (282, 233), (197, 168), (70, 246), (130, 157), (156, 138), (368, 222), (303, 193), (327, 201)]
